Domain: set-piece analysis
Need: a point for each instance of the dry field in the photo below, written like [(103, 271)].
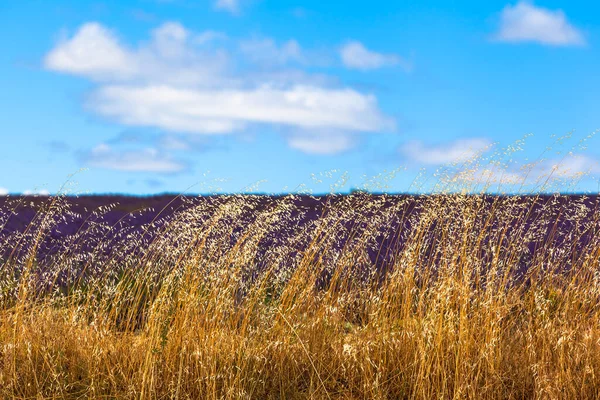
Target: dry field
[(354, 297)]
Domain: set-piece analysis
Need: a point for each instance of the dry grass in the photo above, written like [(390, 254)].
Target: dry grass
[(240, 297)]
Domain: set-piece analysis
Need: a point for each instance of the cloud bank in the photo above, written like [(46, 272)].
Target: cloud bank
[(186, 82)]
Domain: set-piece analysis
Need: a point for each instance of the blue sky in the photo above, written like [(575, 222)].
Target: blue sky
[(236, 95)]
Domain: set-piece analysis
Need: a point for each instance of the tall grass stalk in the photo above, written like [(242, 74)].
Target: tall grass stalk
[(377, 297)]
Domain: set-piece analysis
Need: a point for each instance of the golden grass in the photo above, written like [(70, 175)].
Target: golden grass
[(238, 299)]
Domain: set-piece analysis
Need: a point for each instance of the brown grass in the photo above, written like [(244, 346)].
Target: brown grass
[(205, 311)]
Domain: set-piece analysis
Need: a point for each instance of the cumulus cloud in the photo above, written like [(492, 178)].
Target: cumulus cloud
[(180, 82), (525, 22), (3, 191), (225, 111), (356, 56), (93, 52), (457, 151), (174, 56), (145, 160)]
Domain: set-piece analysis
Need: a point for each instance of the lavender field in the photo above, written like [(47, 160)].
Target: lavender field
[(340, 296)]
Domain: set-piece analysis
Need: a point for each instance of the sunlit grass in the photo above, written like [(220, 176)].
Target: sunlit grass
[(447, 295)]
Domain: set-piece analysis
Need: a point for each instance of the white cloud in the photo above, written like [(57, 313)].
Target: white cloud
[(231, 6), (266, 52), (542, 174), (35, 193), (324, 144), (3, 191), (225, 111), (180, 83), (146, 160), (173, 56), (571, 166), (525, 22), (170, 40), (208, 37), (356, 56), (93, 52), (458, 151)]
